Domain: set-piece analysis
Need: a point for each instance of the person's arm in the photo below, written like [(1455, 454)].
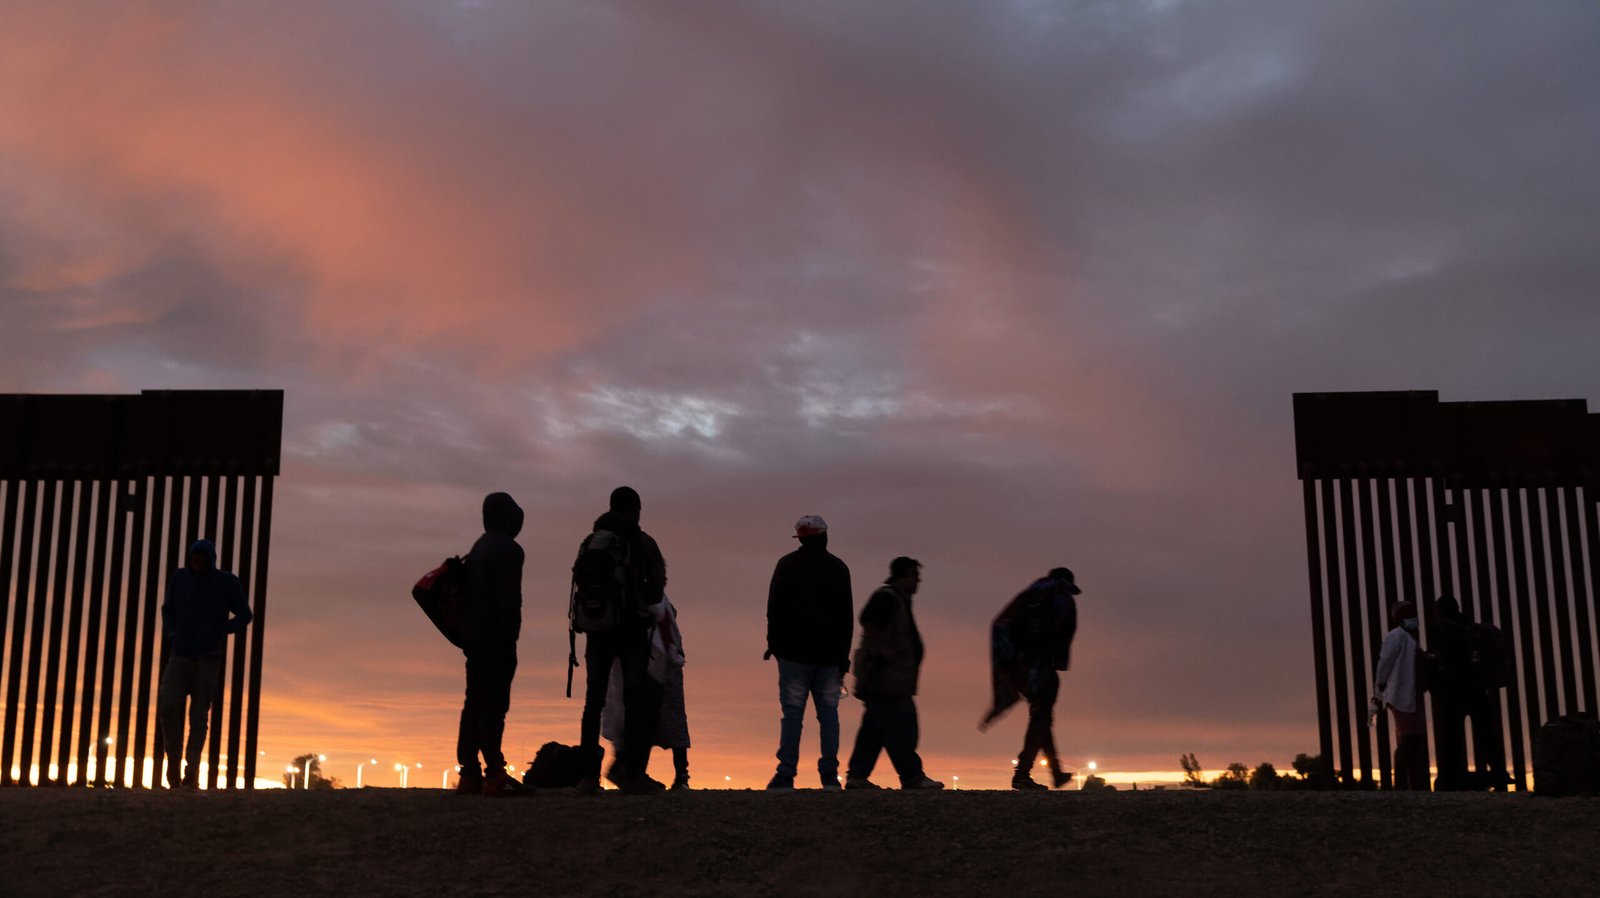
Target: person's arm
[(239, 607), (875, 617), (775, 603), (508, 587), (845, 623), (1388, 656), (168, 609)]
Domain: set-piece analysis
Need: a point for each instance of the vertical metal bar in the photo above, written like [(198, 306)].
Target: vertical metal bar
[(145, 512), (1358, 637), (1541, 603), (1336, 630), (1461, 530), (42, 592), (1513, 700), (222, 532), (1591, 520), (246, 544), (8, 541), (1425, 548), (1375, 617), (258, 627), (1391, 589), (149, 651), (1580, 599), (1472, 501), (93, 595), (82, 498), (1563, 616), (113, 588), (20, 616), (1528, 624)]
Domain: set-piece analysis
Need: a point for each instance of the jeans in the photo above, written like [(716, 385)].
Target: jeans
[(490, 670), (822, 683), (1041, 717), (194, 680), (641, 696), (888, 724)]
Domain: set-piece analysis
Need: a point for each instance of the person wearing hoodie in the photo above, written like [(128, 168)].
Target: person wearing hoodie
[(1029, 642), (1400, 690), (810, 621), (629, 644), (196, 623), (494, 621)]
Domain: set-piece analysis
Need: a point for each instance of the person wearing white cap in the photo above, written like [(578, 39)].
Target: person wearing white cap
[(810, 623)]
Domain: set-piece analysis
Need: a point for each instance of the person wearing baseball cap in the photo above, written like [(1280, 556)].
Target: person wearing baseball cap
[(1030, 641), (810, 622)]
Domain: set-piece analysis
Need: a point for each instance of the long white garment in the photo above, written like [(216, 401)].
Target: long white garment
[(666, 667), (1397, 671)]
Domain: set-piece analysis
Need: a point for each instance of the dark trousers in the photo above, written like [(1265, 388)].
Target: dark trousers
[(1041, 720), (1453, 707), (641, 696), (888, 724), (490, 670), (191, 681)]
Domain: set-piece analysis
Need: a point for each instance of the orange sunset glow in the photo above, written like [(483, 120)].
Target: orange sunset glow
[(993, 286)]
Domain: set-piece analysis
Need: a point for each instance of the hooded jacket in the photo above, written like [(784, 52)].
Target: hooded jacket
[(1030, 640), (494, 573), (195, 614), (810, 607), (889, 657)]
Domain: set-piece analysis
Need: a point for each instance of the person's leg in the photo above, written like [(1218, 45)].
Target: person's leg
[(598, 652), (680, 766), (202, 687), (1450, 740), (467, 731), (1411, 754), (170, 698), (1487, 742), (869, 744), (825, 688), (641, 699), (502, 669), (900, 734), (794, 684)]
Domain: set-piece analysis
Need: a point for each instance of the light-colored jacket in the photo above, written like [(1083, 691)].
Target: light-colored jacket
[(1396, 676)]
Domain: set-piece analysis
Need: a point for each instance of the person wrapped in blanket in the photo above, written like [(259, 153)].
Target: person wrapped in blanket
[(666, 668), (1030, 641)]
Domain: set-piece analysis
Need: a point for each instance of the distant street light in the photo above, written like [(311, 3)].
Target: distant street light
[(404, 771), (444, 779), (358, 770), (957, 781)]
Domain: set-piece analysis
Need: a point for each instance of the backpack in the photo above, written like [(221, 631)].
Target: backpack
[(601, 598), (442, 595), (558, 766), (1491, 656)]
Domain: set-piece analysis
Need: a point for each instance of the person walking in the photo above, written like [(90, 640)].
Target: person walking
[(886, 666), (494, 622), (810, 621), (1399, 689), (202, 608), (616, 617), (1029, 643)]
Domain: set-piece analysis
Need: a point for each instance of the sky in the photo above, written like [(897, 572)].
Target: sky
[(1000, 285)]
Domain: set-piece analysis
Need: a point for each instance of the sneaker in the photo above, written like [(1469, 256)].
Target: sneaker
[(642, 785), (780, 783), (1024, 783), (680, 783), (589, 785), (503, 786), (926, 783), (469, 785), (616, 775), (1060, 777), (862, 784), (831, 784)]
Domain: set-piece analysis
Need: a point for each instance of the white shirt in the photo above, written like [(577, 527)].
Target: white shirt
[(1397, 671)]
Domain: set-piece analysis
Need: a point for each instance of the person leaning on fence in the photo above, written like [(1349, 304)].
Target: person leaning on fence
[(494, 622), (810, 619), (886, 667), (196, 624), (1398, 681), (1030, 641)]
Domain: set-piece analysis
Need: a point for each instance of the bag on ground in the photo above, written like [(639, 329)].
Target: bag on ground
[(558, 766)]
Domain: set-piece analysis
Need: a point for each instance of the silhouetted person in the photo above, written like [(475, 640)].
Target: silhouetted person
[(810, 620), (196, 622), (1399, 688), (1029, 642), (629, 643), (1459, 693), (494, 589), (886, 666), (672, 726)]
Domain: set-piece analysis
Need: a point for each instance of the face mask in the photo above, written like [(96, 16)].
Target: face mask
[(1410, 624)]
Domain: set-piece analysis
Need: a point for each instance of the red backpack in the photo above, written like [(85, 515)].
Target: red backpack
[(442, 595)]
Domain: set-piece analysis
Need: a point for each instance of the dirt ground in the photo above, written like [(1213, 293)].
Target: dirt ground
[(423, 842)]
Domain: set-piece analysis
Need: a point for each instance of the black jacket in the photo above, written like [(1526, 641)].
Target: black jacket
[(647, 570), (195, 614), (810, 609), (494, 573)]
